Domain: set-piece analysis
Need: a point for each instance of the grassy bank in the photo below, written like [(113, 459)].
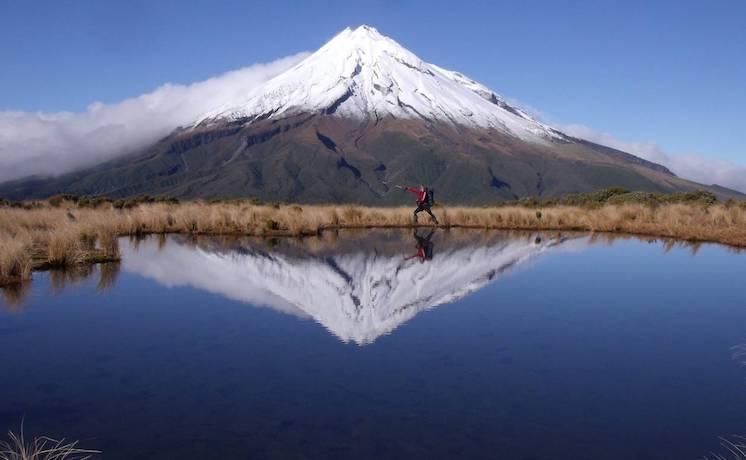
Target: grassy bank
[(64, 232)]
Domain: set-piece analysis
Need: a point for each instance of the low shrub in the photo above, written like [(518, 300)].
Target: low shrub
[(616, 195), (646, 198), (699, 196), (56, 200)]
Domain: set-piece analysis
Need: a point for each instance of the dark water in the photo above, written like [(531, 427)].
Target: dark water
[(382, 345)]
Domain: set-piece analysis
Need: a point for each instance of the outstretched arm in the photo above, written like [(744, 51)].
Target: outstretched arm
[(409, 189)]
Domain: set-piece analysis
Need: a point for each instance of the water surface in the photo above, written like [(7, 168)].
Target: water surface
[(384, 344)]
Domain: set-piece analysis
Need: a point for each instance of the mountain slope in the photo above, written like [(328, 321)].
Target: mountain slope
[(359, 114), (325, 159)]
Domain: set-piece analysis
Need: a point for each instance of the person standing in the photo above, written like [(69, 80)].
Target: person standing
[(424, 201)]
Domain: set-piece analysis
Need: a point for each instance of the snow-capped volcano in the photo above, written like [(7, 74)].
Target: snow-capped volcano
[(347, 121), (361, 74), (357, 295)]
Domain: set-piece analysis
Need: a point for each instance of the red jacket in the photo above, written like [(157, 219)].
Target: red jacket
[(421, 194)]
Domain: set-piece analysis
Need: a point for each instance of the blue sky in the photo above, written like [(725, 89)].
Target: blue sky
[(669, 72)]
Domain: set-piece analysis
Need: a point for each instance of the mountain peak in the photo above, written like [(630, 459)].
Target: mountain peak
[(362, 74), (359, 35), (365, 46), (365, 31)]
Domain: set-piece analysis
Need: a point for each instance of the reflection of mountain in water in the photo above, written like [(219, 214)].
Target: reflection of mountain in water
[(358, 294)]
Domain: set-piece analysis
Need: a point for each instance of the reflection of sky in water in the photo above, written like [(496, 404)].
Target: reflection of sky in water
[(580, 350)]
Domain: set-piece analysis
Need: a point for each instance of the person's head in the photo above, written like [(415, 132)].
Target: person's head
[(422, 187)]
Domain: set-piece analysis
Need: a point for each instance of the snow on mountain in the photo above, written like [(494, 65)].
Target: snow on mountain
[(357, 296), (362, 74)]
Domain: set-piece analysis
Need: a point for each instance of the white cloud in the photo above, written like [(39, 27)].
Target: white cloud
[(54, 143), (695, 167), (689, 166)]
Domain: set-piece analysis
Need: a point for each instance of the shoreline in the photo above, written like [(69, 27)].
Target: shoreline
[(47, 236)]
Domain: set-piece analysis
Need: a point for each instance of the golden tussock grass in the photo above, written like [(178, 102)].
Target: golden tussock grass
[(14, 258), (67, 235)]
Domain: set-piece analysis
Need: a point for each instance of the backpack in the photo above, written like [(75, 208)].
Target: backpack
[(430, 196)]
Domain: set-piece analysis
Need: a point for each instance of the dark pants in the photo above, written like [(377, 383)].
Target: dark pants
[(424, 207)]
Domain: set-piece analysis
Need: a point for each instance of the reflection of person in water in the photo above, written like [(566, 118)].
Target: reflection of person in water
[(424, 247)]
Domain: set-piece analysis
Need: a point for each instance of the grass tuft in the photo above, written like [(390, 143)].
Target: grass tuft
[(41, 448)]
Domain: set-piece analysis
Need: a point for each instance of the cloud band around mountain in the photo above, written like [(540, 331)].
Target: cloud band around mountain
[(38, 143), (694, 167)]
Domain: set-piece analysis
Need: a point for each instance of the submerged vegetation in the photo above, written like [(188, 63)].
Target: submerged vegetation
[(66, 231)]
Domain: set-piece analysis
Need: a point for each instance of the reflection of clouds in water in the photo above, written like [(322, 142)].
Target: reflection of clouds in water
[(228, 274), (357, 295), (739, 353)]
